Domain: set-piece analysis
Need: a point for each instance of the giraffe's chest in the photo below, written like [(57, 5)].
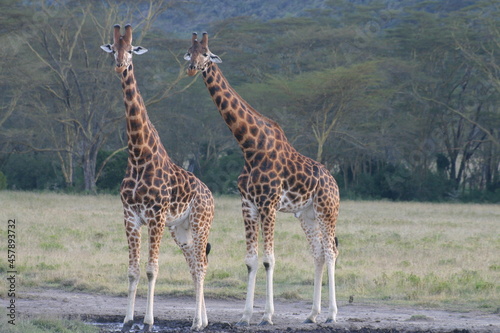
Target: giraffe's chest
[(158, 195)]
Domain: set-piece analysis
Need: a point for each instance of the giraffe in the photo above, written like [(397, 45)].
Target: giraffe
[(275, 177), (157, 193)]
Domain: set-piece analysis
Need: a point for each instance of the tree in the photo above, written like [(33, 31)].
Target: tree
[(477, 36), (449, 94), (69, 102), (332, 95)]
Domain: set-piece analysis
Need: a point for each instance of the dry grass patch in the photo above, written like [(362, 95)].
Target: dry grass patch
[(415, 253)]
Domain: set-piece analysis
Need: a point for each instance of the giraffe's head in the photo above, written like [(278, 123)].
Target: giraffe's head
[(122, 48), (199, 56)]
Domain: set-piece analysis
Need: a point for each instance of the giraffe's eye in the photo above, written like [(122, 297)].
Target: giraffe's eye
[(113, 51), (130, 52), (205, 54)]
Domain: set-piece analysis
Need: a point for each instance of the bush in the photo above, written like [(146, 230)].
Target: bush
[(221, 177), (32, 171), (397, 182), (113, 172)]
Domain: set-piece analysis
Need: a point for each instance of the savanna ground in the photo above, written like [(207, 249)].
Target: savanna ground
[(403, 267)]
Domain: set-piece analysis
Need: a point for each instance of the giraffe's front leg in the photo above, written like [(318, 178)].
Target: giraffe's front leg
[(319, 264), (155, 232), (251, 260), (267, 318), (152, 274), (133, 233), (268, 218), (133, 278)]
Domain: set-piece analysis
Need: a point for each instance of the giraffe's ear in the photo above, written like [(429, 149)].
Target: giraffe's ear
[(187, 56), (107, 48), (139, 50), (215, 58)]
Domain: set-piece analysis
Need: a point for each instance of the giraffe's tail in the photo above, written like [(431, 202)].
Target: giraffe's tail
[(207, 250)]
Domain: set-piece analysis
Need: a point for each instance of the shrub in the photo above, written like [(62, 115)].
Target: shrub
[(221, 177), (32, 171), (113, 172)]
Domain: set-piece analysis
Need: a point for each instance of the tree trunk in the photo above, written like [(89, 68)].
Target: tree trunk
[(89, 169)]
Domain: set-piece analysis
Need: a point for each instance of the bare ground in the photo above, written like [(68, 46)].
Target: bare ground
[(174, 314)]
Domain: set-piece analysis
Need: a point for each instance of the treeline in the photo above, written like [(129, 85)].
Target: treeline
[(399, 99)]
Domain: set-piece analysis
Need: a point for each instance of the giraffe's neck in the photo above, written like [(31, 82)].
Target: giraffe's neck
[(143, 139), (252, 130)]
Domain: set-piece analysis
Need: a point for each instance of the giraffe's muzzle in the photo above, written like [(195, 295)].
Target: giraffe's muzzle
[(119, 68), (191, 70)]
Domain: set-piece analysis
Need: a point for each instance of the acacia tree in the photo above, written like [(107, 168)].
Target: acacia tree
[(332, 96), (71, 104), (449, 91), (73, 110), (477, 36)]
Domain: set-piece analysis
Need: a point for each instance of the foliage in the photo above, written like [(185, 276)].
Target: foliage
[(113, 171), (32, 171), (396, 182), (375, 90), (221, 176)]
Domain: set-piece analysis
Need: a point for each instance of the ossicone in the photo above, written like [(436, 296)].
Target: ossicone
[(128, 34), (117, 33), (204, 39)]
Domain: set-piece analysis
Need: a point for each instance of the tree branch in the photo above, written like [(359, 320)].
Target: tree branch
[(493, 139), (107, 160)]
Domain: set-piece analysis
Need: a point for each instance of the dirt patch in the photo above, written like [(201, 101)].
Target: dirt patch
[(174, 314)]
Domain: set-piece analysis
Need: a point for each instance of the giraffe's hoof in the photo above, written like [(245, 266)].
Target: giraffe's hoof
[(197, 327), (127, 326), (243, 323), (330, 320), (265, 323), (147, 328), (309, 321)]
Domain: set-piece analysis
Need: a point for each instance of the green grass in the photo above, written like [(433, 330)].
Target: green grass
[(434, 255), (46, 325)]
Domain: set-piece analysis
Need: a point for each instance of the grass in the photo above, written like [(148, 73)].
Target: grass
[(46, 325), (434, 255)]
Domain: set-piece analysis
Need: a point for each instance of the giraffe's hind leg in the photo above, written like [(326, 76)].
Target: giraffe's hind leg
[(198, 267), (327, 222), (194, 247), (200, 320), (312, 230), (331, 254), (155, 233)]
